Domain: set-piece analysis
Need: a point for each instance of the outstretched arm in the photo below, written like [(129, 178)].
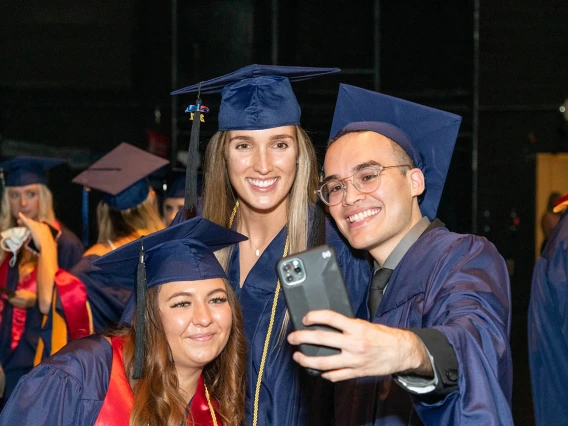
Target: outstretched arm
[(366, 349)]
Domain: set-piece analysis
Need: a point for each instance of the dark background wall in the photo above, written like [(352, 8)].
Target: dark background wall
[(78, 78)]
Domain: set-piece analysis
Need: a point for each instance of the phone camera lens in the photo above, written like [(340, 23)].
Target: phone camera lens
[(289, 278), (298, 270), (286, 267)]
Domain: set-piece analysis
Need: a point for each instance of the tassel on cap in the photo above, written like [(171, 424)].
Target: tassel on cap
[(139, 344), (190, 202)]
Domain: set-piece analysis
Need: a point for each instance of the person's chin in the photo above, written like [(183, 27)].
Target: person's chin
[(266, 203)]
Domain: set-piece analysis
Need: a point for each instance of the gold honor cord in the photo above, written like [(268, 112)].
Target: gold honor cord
[(270, 325), (210, 406)]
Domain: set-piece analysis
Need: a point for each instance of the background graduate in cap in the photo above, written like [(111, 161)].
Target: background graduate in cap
[(25, 194), (440, 325), (174, 195), (260, 179), (127, 211), (180, 362)]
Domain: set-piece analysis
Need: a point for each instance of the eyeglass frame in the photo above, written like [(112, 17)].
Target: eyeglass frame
[(379, 170)]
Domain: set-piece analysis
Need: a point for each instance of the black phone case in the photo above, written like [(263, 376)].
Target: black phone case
[(322, 287)]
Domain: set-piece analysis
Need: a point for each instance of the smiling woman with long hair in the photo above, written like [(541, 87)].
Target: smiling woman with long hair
[(260, 179), (179, 359)]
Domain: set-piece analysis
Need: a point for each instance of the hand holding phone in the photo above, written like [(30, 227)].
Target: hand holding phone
[(312, 280)]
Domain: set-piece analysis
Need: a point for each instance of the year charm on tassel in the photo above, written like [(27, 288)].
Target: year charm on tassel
[(192, 109)]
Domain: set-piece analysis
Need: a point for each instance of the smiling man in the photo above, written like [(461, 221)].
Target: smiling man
[(438, 305)]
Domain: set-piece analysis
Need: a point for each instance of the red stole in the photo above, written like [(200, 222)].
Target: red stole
[(73, 295), (76, 321), (119, 398), (3, 281), (18, 314)]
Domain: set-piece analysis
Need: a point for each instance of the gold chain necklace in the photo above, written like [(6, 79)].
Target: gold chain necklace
[(270, 325)]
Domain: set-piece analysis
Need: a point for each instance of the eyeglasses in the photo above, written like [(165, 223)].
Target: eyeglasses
[(365, 180)]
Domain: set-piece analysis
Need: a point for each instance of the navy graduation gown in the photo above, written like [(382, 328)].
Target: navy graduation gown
[(19, 361), (69, 249), (107, 292), (283, 394), (66, 389), (548, 329), (459, 285)]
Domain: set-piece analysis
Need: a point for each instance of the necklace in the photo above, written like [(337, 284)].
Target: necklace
[(270, 325), (257, 248)]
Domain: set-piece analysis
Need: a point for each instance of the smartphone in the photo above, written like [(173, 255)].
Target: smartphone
[(30, 245), (312, 280)]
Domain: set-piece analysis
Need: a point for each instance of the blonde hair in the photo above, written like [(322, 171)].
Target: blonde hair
[(45, 214), (157, 399), (219, 197), (137, 221)]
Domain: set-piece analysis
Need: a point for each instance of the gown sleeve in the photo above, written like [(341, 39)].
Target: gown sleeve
[(69, 249), (469, 302), (67, 389)]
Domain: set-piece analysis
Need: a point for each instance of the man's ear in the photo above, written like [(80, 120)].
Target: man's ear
[(417, 185)]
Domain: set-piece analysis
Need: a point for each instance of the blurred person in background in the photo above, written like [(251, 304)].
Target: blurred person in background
[(26, 195), (127, 211), (548, 325)]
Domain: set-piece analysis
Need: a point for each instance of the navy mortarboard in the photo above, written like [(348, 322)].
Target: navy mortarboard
[(183, 252), (121, 176), (255, 97), (27, 170), (176, 184), (426, 134)]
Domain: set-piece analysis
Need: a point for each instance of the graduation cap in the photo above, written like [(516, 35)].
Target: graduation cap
[(255, 97), (183, 252), (27, 170), (121, 176), (427, 135), (176, 184)]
